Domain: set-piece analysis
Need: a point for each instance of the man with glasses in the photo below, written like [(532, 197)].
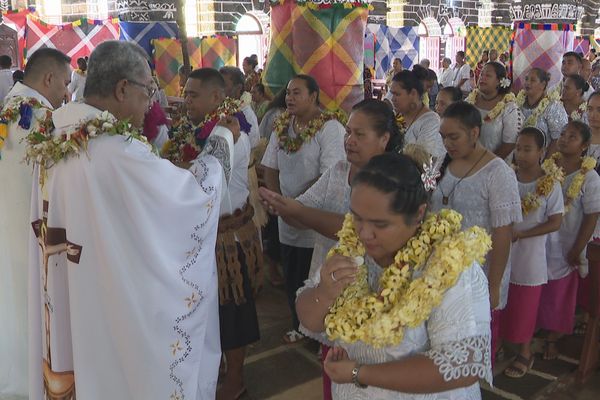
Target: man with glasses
[(122, 250)]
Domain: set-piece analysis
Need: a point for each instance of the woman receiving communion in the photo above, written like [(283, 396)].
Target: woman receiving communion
[(401, 298)]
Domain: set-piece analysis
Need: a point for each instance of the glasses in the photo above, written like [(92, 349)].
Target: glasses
[(150, 90)]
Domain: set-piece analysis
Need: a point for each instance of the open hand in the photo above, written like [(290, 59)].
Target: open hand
[(278, 204)]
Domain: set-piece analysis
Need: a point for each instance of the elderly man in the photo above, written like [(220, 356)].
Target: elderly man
[(28, 107), (122, 254)]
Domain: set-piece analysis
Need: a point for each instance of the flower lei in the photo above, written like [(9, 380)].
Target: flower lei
[(574, 190), (401, 123), (498, 108), (538, 111), (22, 108), (292, 145), (577, 115), (379, 319), (187, 140), (543, 186), (47, 150)]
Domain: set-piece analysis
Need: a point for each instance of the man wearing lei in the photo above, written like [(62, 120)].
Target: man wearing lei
[(27, 107), (572, 64), (305, 143), (540, 109), (123, 282), (401, 298), (239, 254)]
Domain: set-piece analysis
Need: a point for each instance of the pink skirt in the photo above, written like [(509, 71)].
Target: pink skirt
[(557, 304), (519, 317)]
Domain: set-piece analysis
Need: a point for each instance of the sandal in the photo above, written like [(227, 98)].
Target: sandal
[(293, 336), (516, 371), (548, 355)]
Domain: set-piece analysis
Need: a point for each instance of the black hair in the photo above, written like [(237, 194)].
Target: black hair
[(252, 61), (500, 72), (399, 175), (18, 76), (574, 54), (260, 87), (454, 93), (468, 116), (409, 80), (420, 72), (82, 64), (278, 100), (431, 75), (311, 85), (236, 75), (38, 62), (580, 83), (596, 93), (582, 128), (5, 61), (460, 53), (208, 76), (383, 120), (536, 134), (485, 52)]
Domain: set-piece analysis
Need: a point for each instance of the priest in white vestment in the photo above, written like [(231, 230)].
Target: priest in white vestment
[(26, 106), (123, 287)]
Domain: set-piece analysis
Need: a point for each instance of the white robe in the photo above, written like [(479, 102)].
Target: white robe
[(133, 294), (15, 195)]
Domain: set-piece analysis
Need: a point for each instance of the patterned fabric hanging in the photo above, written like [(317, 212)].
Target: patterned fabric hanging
[(391, 43), (542, 46), (480, 39), (142, 33)]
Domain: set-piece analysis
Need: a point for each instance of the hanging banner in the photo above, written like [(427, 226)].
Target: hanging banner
[(142, 33), (218, 51), (480, 39), (168, 58), (19, 19), (324, 40), (76, 39), (391, 43), (541, 46)]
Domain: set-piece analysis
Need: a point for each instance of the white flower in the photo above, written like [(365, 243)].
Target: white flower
[(107, 125), (505, 83), (91, 128)]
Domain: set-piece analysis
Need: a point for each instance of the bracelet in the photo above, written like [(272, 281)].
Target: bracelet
[(355, 381)]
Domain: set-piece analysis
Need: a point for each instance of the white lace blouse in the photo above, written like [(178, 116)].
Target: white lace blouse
[(330, 193), (456, 337), (552, 120), (502, 129), (489, 198)]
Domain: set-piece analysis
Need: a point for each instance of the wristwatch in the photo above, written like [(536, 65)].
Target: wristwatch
[(355, 372)]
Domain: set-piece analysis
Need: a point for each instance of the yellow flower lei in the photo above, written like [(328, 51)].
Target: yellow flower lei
[(543, 186), (379, 319), (574, 190), (291, 145), (498, 108), (538, 111), (577, 115)]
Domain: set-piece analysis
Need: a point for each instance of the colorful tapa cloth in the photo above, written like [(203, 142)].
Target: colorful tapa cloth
[(369, 50), (76, 39), (480, 39), (325, 42), (142, 33), (218, 51), (541, 46), (391, 43), (581, 45)]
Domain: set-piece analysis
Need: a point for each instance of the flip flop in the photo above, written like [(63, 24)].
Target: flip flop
[(514, 371)]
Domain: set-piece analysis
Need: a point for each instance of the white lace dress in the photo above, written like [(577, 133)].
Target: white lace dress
[(489, 199), (456, 337), (502, 129), (330, 193), (551, 122)]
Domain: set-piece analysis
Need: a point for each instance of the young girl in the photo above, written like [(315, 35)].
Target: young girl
[(565, 248), (542, 207)]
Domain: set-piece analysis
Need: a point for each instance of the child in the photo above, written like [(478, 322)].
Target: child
[(542, 207), (565, 248)]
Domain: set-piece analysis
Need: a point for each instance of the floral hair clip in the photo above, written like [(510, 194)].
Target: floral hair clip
[(505, 83), (430, 175)]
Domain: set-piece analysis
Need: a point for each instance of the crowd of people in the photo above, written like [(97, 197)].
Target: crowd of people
[(414, 235)]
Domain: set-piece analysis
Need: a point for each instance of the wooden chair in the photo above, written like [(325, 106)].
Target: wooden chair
[(588, 362)]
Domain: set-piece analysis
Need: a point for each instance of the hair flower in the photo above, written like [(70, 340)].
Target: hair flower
[(505, 83)]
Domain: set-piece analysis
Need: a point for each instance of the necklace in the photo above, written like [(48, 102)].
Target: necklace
[(416, 117), (446, 199)]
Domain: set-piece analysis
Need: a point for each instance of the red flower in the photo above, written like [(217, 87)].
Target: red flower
[(189, 153)]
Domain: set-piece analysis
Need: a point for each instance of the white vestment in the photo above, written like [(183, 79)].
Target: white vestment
[(15, 196), (131, 287)]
